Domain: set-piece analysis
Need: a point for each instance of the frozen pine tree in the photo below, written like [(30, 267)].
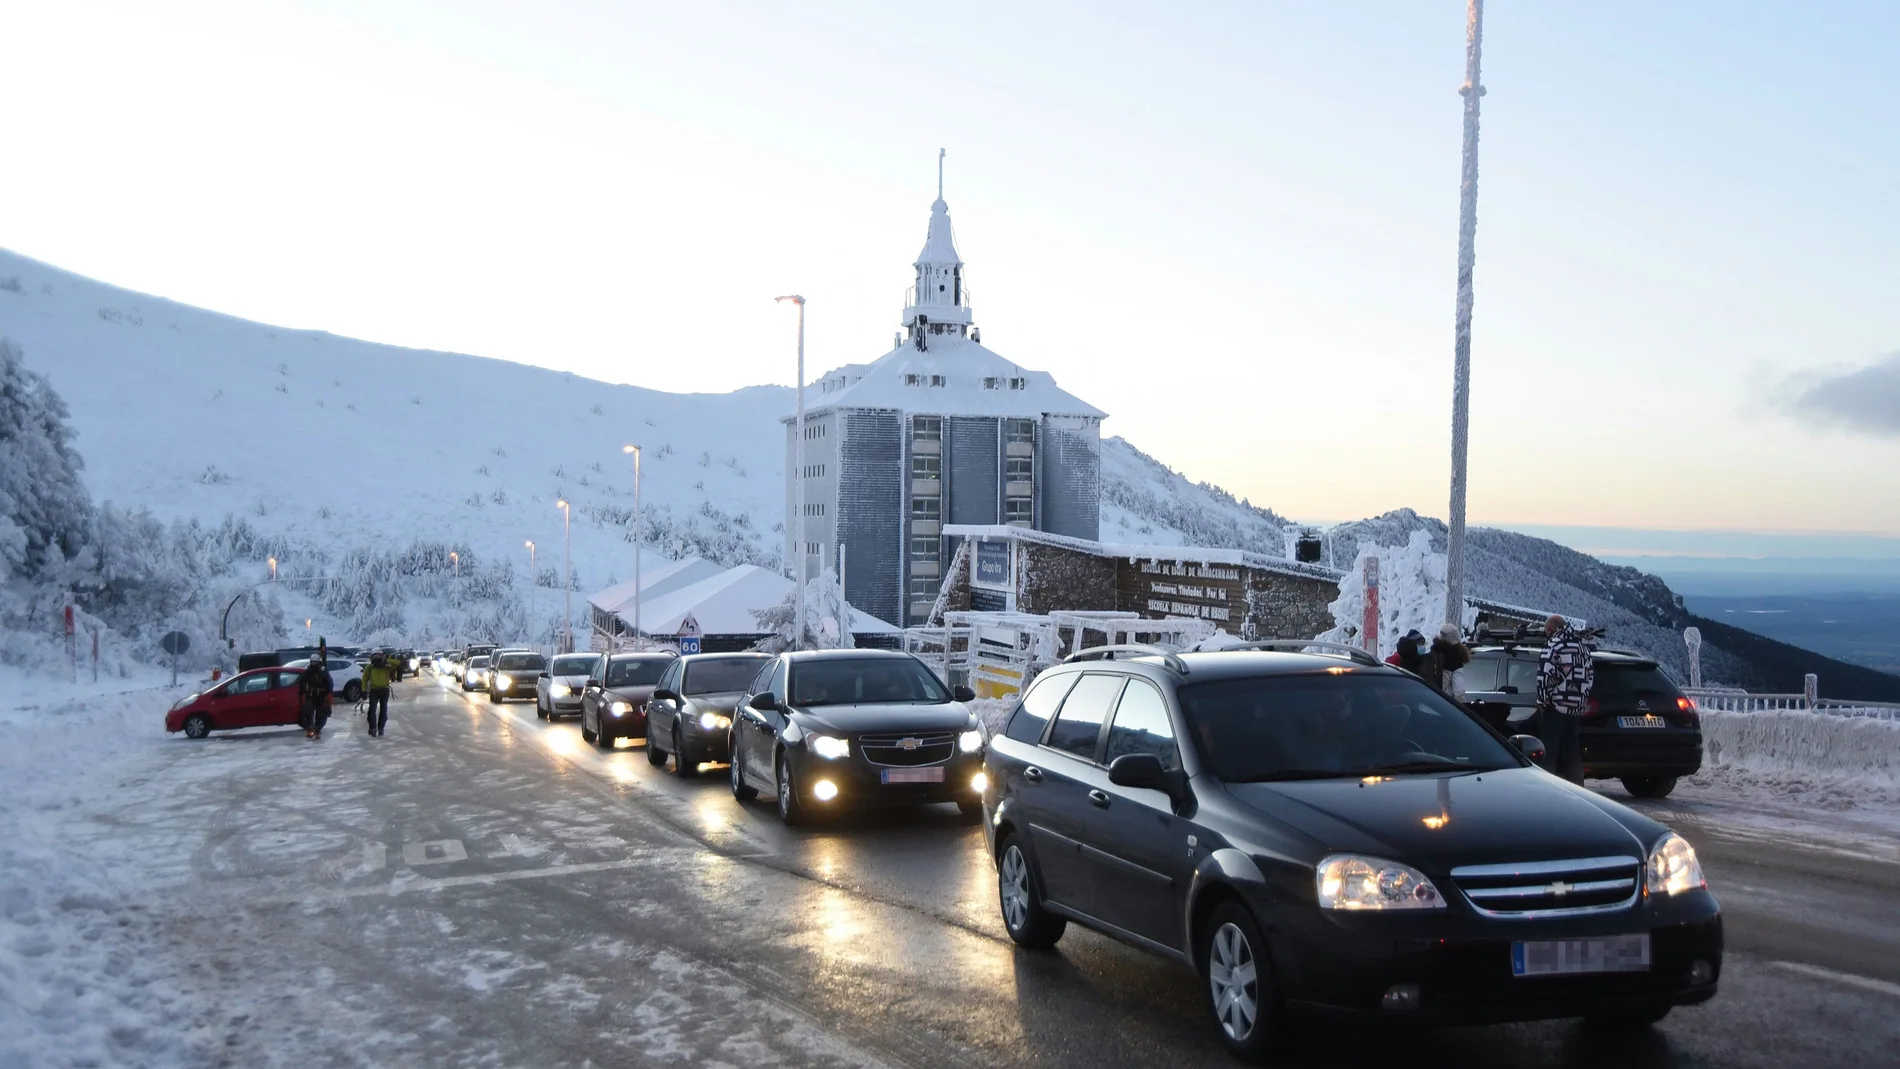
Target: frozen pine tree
[(44, 508), (827, 619)]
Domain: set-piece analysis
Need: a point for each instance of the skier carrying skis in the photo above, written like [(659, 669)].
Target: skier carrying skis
[(314, 693)]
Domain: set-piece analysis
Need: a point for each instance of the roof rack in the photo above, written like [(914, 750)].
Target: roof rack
[(1107, 653), (1297, 645)]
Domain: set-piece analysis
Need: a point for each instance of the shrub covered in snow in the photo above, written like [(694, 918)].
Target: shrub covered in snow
[(827, 625)]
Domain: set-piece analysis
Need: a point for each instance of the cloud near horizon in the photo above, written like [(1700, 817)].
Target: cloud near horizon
[(1865, 399)]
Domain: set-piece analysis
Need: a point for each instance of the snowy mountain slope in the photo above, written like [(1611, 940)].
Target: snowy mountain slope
[(1144, 500)]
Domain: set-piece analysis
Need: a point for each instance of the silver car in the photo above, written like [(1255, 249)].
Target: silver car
[(557, 693)]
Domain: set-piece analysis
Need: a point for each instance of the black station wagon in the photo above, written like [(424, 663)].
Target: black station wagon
[(1311, 831)]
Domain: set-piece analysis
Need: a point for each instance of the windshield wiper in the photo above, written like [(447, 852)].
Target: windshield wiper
[(1279, 774), (1434, 764)]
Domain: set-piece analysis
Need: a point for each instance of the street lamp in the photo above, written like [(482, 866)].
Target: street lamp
[(798, 483), (273, 569), (567, 588), (639, 540), (534, 596)]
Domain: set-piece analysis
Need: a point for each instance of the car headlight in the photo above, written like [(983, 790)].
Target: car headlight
[(504, 681), (620, 708), (560, 690), (829, 748), (970, 741), (713, 721), (1350, 881), (1673, 867)]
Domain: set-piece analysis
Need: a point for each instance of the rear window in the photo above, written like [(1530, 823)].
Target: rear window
[(522, 662), (1045, 694), (1627, 682), (725, 676), (645, 672)]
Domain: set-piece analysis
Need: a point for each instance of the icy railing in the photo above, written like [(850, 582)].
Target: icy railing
[(1729, 700)]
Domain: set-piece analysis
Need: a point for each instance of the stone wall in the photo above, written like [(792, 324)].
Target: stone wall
[(1289, 606), (1053, 579)]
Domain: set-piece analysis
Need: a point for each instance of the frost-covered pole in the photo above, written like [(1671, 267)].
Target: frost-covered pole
[(798, 482), (1472, 91), (534, 596), (639, 539), (567, 586)]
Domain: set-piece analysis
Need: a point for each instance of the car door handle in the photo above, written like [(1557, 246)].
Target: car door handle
[(1098, 799), (1033, 774)]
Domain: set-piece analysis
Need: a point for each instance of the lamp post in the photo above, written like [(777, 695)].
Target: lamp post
[(798, 484), (456, 560), (534, 596), (639, 544), (273, 569), (1473, 91), (567, 587)]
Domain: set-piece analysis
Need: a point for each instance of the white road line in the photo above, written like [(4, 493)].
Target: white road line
[(412, 884), (1865, 983)]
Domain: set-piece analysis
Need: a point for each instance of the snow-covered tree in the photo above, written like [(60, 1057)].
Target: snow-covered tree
[(827, 617), (44, 508), (1411, 593)]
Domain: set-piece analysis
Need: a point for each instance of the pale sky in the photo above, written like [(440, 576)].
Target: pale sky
[(1231, 226)]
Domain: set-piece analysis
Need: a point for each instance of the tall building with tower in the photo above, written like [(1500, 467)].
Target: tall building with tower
[(940, 430)]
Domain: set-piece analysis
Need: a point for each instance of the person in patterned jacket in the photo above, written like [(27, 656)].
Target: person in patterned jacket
[(1564, 678)]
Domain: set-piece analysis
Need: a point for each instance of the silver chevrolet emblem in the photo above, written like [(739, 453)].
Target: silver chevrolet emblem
[(1560, 888), (908, 744)]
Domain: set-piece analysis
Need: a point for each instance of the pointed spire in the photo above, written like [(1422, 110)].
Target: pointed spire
[(939, 174)]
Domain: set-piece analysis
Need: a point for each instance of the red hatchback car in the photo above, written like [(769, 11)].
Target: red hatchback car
[(262, 697)]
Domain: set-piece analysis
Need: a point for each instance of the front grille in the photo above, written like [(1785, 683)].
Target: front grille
[(907, 749), (1535, 889)]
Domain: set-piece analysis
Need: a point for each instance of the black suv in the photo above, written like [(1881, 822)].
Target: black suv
[(1638, 727), (1307, 831)]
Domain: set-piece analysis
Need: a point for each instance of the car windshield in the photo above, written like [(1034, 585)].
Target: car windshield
[(644, 672), (478, 662), (1334, 726), (723, 676), (572, 665), (521, 662), (864, 680)]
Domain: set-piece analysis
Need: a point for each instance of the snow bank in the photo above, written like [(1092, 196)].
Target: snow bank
[(1801, 744), (992, 712)]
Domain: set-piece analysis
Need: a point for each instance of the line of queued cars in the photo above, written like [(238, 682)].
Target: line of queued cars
[(1306, 829)]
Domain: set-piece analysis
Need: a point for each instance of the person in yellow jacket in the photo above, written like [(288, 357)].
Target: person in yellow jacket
[(376, 680)]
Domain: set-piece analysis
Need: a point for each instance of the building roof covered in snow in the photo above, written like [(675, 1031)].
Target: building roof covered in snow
[(723, 604), (1134, 551), (955, 376), (939, 246), (655, 581)]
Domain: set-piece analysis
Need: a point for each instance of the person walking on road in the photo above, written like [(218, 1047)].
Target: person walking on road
[(314, 693), (376, 680), (1564, 678)]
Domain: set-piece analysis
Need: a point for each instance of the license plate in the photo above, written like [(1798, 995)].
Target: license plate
[(1568, 957), (933, 774), (1641, 722)]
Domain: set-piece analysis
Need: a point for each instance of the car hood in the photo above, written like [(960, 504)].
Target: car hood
[(723, 704), (577, 682), (636, 695), (902, 716), (1440, 821)]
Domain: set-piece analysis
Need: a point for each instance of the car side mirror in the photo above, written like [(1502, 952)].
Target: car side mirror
[(1529, 745), (665, 696), (764, 702), (545, 675), (1138, 770), (963, 694)]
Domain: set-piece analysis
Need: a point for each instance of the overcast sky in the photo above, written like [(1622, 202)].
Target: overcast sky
[(1232, 226)]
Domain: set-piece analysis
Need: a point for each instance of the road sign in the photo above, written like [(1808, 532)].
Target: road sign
[(688, 643), (175, 642), (69, 619), (1370, 620), (690, 626)]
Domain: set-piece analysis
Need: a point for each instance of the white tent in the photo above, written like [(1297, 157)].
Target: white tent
[(723, 605), (657, 581)]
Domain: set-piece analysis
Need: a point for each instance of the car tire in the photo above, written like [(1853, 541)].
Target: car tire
[(683, 765), (604, 738), (586, 735), (1630, 1019), (352, 692), (1649, 786), (741, 790), (493, 698), (540, 711), (1019, 896), (197, 726), (971, 808), (656, 754), (790, 809), (1234, 964)]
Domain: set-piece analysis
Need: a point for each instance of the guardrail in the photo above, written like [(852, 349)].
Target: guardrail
[(1729, 700)]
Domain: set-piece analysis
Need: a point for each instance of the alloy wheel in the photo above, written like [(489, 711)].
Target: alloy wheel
[(1013, 887), (1232, 979)]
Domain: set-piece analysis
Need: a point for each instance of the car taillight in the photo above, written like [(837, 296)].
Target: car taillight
[(1686, 706), (1590, 707)]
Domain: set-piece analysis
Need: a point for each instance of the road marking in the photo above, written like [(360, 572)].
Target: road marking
[(1865, 983), (434, 852), (410, 883)]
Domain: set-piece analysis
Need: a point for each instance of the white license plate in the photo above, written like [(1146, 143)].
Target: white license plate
[(1568, 957), (1641, 722), (933, 774)]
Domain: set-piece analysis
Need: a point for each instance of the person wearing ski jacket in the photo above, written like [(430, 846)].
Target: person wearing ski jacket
[(1564, 678), (1444, 666), (376, 680), (314, 691), (1411, 647)]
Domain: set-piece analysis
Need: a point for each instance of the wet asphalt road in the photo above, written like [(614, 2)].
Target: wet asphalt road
[(483, 888)]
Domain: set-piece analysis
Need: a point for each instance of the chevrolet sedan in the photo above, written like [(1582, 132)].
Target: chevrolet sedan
[(690, 713)]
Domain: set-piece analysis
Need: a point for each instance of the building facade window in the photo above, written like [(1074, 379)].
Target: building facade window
[(1019, 469), (925, 589), (927, 428), (926, 508), (924, 547), (1019, 430), (1019, 510), (924, 466)]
